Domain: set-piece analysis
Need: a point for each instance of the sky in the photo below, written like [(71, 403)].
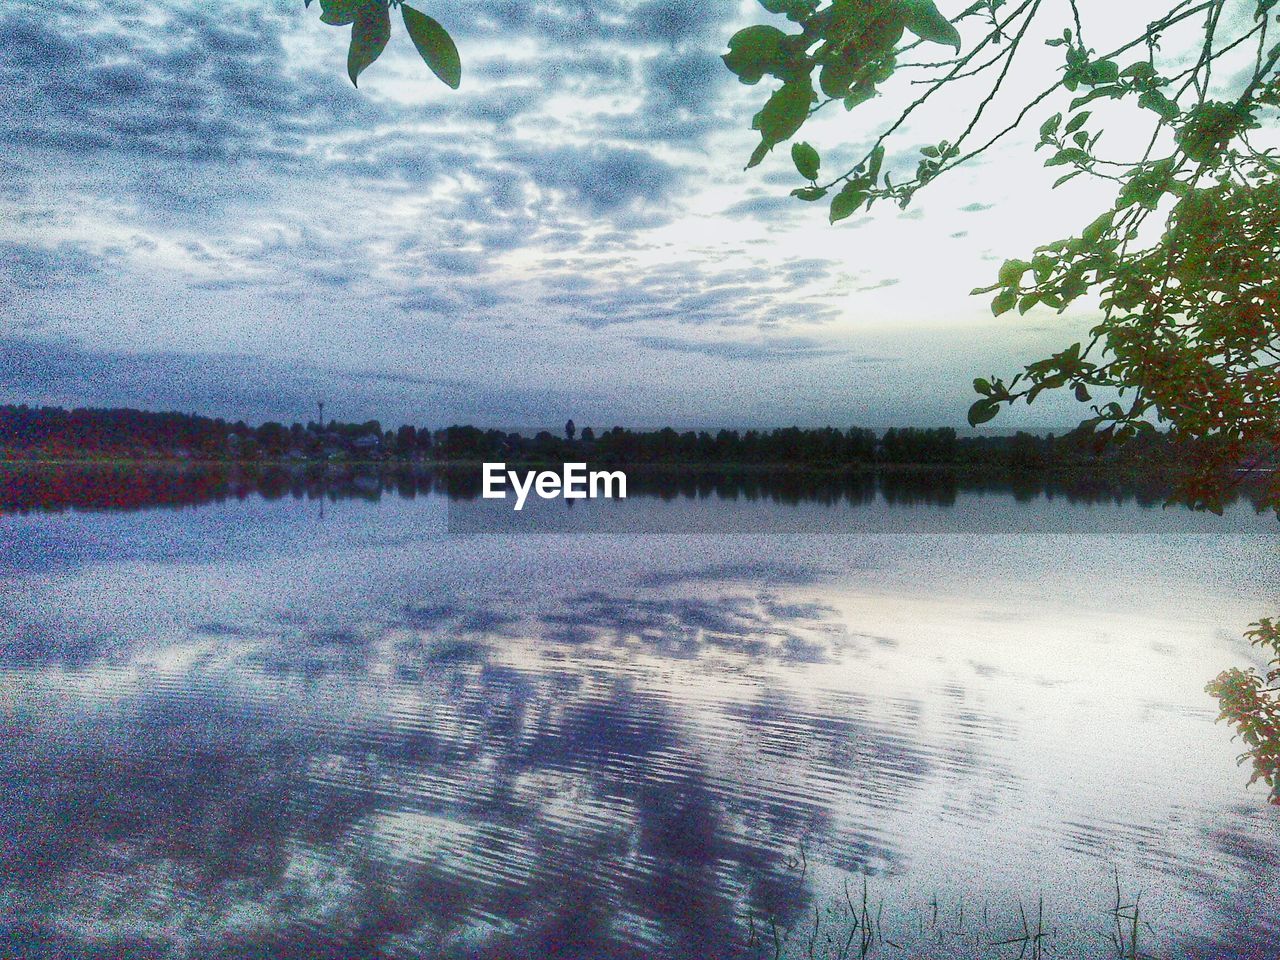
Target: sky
[(199, 212)]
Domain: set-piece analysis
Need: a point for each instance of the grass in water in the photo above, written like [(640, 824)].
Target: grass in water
[(853, 927)]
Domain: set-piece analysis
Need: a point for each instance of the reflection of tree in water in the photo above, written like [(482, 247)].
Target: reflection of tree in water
[(27, 488), (449, 783)]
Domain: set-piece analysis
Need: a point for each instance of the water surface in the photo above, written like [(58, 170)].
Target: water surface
[(306, 720)]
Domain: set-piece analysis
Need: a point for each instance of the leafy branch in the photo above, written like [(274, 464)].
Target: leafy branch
[(370, 22), (1190, 334), (1249, 701)]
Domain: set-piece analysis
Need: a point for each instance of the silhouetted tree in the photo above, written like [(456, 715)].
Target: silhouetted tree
[(406, 442)]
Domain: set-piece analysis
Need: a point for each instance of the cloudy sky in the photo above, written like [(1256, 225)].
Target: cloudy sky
[(198, 211)]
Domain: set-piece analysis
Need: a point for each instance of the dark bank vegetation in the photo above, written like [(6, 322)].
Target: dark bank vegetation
[(53, 433)]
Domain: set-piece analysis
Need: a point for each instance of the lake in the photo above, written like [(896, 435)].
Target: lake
[(288, 716)]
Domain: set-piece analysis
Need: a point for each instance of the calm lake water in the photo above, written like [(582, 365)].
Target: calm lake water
[(296, 719)]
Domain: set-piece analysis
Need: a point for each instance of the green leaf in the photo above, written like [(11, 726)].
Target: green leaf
[(837, 76), (758, 154), (982, 412), (848, 200), (809, 193), (875, 163), (1114, 92), (1100, 72), (1050, 126), (1069, 155), (1082, 393), (924, 20), (1157, 101), (434, 44), (1011, 272), (369, 36), (339, 13), (754, 51), (795, 10), (1142, 70), (1070, 176), (1095, 231), (861, 93), (785, 112), (1078, 121), (1005, 301), (806, 160)]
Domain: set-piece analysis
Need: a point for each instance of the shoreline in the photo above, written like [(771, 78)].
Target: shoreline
[(729, 467)]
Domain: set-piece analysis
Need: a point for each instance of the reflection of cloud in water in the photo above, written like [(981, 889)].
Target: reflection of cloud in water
[(757, 572), (449, 780), (753, 626), (568, 771)]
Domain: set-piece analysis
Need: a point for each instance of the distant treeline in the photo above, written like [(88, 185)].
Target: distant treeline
[(55, 433)]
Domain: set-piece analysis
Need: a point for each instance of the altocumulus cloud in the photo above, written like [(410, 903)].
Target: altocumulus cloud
[(202, 179)]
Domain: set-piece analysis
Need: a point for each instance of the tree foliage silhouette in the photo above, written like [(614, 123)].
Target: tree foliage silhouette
[(370, 23)]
